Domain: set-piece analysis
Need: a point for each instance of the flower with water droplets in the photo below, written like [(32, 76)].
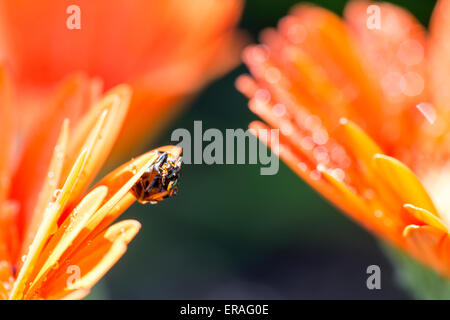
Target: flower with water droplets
[(57, 234), (368, 117)]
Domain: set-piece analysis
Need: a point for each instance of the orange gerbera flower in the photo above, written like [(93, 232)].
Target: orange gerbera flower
[(56, 240), (363, 115), (166, 50)]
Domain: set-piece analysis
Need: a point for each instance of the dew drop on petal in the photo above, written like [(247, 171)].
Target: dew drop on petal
[(302, 166), (321, 154), (262, 95), (132, 168), (378, 213), (313, 123), (412, 84), (273, 75), (338, 173), (259, 53), (428, 111), (286, 128), (369, 194), (315, 175), (7, 285), (279, 110), (56, 194), (297, 33), (307, 143), (343, 121), (320, 136)]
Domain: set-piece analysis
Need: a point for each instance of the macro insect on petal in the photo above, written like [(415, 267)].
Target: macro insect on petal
[(160, 179)]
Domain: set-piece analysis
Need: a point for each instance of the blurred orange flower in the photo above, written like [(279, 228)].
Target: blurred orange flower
[(166, 50), (362, 108), (56, 240)]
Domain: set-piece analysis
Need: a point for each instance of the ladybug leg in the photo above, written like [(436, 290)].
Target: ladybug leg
[(151, 185), (162, 158)]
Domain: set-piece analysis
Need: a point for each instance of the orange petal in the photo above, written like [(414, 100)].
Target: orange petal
[(6, 134), (94, 260), (439, 51), (39, 147), (363, 149), (293, 160), (73, 295), (6, 147), (67, 233), (424, 242), (181, 34), (50, 186), (5, 279), (352, 204), (327, 42), (403, 182), (47, 228), (157, 42), (9, 239), (426, 217), (358, 142), (394, 57), (101, 137)]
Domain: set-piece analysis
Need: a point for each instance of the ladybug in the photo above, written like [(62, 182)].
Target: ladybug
[(159, 181)]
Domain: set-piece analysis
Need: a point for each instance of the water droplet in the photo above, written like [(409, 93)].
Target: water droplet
[(321, 154), (428, 111), (132, 168), (7, 285), (320, 136), (369, 194), (338, 173), (315, 175), (262, 95), (279, 110), (273, 75), (302, 166), (378, 213), (286, 128), (292, 28), (307, 143), (259, 53), (412, 84), (313, 123), (56, 194)]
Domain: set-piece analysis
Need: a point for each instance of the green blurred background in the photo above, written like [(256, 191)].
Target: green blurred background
[(232, 233)]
